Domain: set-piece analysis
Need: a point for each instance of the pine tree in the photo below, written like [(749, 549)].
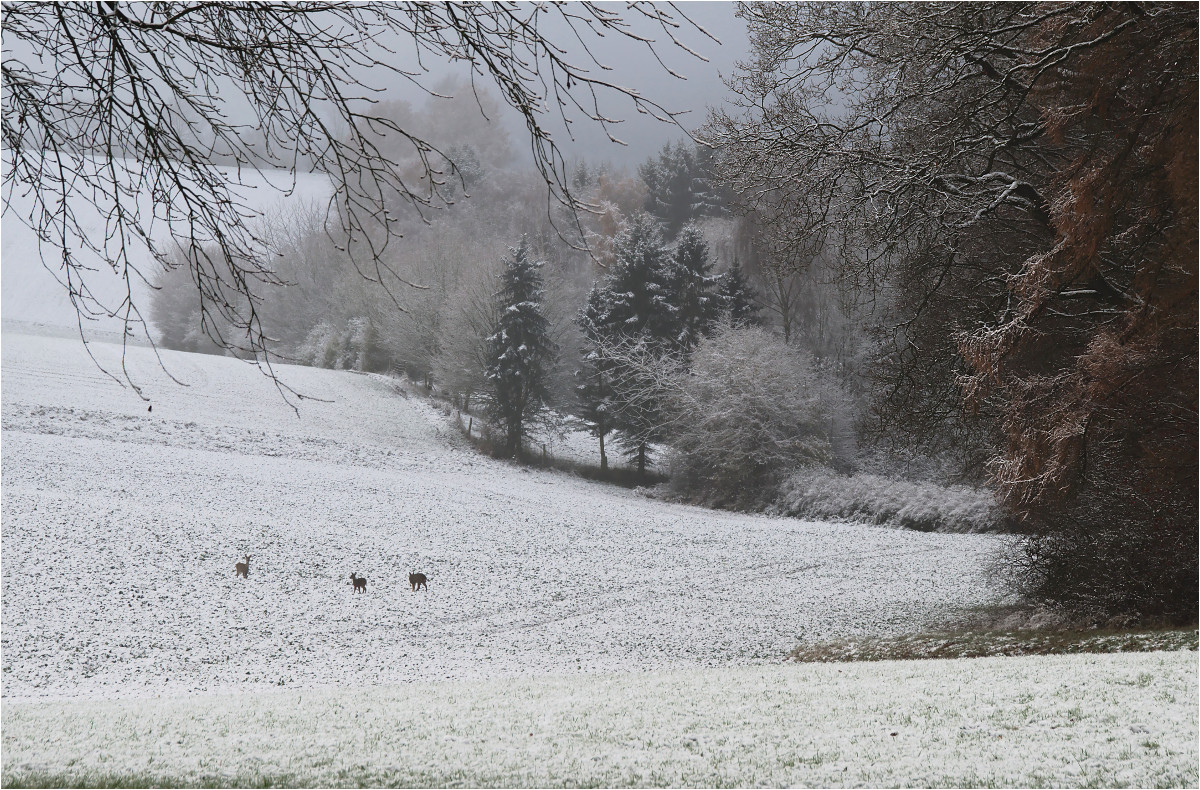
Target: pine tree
[(709, 197), (597, 405), (582, 179), (694, 294), (638, 294), (637, 301), (736, 297), (680, 187), (520, 349)]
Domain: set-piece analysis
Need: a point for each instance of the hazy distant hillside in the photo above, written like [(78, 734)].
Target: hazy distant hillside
[(32, 296)]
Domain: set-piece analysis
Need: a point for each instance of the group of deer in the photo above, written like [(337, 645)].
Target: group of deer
[(415, 580)]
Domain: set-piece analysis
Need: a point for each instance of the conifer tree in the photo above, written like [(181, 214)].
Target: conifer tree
[(636, 302), (679, 186), (596, 398), (694, 294), (738, 302), (520, 349)]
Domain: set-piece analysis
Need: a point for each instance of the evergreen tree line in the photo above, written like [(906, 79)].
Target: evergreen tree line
[(544, 335), (673, 357), (661, 299), (665, 299)]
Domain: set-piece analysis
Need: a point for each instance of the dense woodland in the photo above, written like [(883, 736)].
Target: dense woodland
[(925, 245)]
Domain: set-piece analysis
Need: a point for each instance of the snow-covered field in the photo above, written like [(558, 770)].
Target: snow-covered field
[(572, 633), (1059, 721), (122, 526)]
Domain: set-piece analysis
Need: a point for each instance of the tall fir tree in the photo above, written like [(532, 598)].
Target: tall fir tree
[(637, 297), (736, 297), (680, 187), (520, 350), (694, 289), (597, 400), (637, 301)]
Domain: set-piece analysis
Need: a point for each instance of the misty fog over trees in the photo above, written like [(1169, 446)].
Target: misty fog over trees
[(932, 265)]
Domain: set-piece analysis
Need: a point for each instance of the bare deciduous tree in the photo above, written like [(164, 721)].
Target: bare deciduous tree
[(1016, 184), (128, 110)]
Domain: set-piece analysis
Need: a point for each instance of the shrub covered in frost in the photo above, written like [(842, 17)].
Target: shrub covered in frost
[(820, 493), (749, 407), (356, 347)]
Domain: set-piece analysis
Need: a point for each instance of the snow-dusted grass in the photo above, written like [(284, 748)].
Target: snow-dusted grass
[(872, 499), (1065, 721), (121, 528), (572, 633)]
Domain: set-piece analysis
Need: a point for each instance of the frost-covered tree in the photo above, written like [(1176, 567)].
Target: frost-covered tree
[(750, 410), (461, 364), (636, 301), (694, 288), (463, 162), (596, 398), (520, 349), (105, 102), (637, 298), (1015, 185), (736, 298)]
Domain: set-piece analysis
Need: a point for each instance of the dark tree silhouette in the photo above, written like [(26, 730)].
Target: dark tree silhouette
[(736, 297), (1015, 185)]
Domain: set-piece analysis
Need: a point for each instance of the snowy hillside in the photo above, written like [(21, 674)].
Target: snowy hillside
[(31, 296), (122, 526)]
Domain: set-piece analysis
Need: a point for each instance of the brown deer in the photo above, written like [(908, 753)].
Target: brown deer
[(359, 582), (418, 580), (242, 568)]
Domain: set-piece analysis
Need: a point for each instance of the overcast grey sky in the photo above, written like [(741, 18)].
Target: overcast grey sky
[(637, 68), (632, 65)]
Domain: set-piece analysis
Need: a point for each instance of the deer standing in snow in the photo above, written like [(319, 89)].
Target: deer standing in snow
[(359, 582), (242, 568)]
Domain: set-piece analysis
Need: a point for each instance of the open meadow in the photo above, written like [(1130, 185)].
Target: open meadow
[(571, 633), (122, 527)]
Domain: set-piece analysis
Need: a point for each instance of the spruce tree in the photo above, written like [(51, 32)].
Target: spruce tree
[(519, 350), (597, 404), (736, 297), (637, 301), (680, 187), (694, 293)]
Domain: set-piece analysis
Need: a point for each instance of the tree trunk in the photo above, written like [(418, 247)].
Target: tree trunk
[(603, 457), (642, 460), (513, 448)]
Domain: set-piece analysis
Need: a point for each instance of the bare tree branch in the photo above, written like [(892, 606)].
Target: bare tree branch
[(128, 111)]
